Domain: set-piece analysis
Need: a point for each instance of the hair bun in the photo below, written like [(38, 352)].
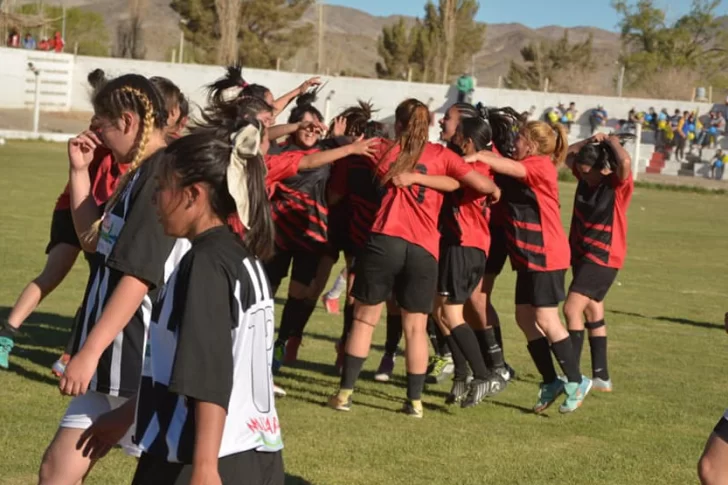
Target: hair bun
[(367, 108), (96, 78)]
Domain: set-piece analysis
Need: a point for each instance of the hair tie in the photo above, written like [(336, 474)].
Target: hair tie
[(244, 84), (246, 145)]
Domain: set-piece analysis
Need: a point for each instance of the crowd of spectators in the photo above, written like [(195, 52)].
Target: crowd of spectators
[(55, 43)]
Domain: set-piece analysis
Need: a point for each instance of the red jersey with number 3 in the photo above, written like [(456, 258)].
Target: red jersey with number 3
[(534, 233), (599, 224), (412, 213), (465, 216)]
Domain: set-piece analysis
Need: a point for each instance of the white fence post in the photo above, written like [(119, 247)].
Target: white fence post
[(36, 102), (636, 156)]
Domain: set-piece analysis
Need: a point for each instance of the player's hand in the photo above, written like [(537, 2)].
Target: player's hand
[(308, 84), (405, 179), (339, 127), (599, 137), (314, 126), (104, 433), (79, 372), (81, 149), (494, 197), (205, 475), (364, 147)]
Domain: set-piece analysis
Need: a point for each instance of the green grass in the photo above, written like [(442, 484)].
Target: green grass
[(667, 352)]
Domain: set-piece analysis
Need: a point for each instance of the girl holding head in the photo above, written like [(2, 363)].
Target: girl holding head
[(539, 252), (131, 258)]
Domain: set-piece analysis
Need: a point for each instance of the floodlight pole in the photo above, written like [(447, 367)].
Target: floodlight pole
[(36, 103), (637, 145)]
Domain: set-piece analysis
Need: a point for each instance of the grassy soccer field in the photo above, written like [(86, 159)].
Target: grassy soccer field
[(667, 350)]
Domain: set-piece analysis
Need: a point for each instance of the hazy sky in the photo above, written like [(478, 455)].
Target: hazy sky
[(533, 13)]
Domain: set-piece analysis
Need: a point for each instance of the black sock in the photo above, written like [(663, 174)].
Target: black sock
[(564, 353), (7, 331), (458, 358), (351, 371), (541, 354), (394, 334), (306, 311), (431, 333), (598, 347), (415, 384), (292, 311), (464, 338), (498, 336), (348, 322), (442, 348), (492, 352), (577, 341)]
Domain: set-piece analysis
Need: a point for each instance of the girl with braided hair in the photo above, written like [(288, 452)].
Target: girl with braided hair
[(598, 241), (131, 258), (205, 411)]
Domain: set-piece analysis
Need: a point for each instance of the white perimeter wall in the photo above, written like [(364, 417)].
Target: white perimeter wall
[(64, 87)]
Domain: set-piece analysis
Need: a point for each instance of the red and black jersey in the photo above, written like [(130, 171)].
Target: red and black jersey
[(104, 175), (412, 213), (354, 179), (599, 223), (299, 207), (465, 216), (535, 236)]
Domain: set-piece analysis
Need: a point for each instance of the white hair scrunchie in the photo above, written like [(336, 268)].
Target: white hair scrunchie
[(246, 145)]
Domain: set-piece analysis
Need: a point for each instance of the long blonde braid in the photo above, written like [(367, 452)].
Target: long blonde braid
[(139, 150)]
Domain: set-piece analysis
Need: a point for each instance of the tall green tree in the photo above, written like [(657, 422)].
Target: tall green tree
[(82, 27), (552, 60), (439, 45), (696, 43), (267, 30), (395, 47)]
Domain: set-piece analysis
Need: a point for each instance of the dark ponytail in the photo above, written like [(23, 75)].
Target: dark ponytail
[(504, 125), (357, 118), (204, 156), (234, 79), (96, 78), (304, 104)]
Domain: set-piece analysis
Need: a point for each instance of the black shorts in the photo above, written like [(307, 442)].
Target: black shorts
[(249, 467), (389, 264), (305, 266), (592, 280), (497, 254), (541, 289), (461, 270), (721, 429), (62, 230)]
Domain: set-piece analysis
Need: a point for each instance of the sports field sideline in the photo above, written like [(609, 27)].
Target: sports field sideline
[(668, 350)]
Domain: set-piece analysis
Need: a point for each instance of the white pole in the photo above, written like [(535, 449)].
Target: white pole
[(174, 56), (620, 81), (327, 106), (182, 46), (636, 157), (63, 26), (36, 103)]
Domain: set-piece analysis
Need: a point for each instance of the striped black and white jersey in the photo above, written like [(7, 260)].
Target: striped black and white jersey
[(210, 340), (131, 242)]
